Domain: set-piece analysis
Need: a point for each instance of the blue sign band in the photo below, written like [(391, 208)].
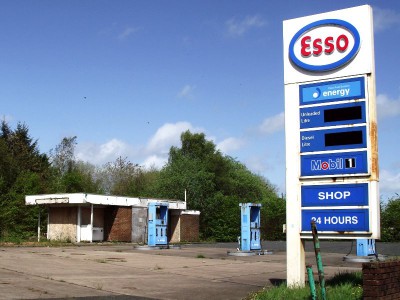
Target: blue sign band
[(347, 163), (336, 220), (328, 91), (332, 115), (334, 195)]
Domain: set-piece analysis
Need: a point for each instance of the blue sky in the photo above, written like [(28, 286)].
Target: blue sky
[(128, 77)]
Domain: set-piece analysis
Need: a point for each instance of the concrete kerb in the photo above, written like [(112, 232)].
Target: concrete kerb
[(364, 259), (146, 247), (249, 253)]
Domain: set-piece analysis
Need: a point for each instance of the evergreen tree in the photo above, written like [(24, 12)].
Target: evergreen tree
[(23, 171)]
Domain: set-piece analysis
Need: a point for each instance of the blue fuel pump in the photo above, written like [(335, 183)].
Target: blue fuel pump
[(157, 230), (250, 227), (365, 247)]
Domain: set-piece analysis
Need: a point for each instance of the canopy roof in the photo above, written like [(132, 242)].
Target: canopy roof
[(81, 198)]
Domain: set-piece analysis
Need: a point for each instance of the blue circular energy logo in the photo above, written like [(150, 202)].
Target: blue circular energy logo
[(317, 93)]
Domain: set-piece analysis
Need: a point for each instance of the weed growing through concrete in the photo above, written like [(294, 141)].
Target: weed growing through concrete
[(116, 259)]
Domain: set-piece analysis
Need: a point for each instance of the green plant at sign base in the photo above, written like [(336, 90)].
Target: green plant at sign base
[(342, 286)]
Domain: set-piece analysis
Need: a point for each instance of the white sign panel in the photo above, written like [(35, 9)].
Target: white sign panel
[(331, 137), (328, 45)]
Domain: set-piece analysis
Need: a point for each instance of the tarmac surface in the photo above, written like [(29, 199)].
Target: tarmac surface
[(119, 271)]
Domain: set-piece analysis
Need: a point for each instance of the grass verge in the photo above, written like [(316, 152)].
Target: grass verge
[(341, 286)]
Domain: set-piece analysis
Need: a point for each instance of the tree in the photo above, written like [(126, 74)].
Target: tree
[(215, 185), (273, 217), (23, 170), (71, 175), (20, 220), (62, 157), (19, 153), (8, 171), (122, 177), (390, 220)]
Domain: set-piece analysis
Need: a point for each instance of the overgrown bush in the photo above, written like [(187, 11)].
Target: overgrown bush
[(390, 220)]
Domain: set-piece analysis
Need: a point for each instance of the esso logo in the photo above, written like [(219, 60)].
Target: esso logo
[(324, 45)]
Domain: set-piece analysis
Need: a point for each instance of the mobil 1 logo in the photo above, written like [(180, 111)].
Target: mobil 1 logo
[(334, 164)]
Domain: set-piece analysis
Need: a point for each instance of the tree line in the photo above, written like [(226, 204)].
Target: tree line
[(215, 185)]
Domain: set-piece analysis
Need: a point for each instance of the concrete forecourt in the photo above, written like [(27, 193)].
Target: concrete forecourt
[(118, 271)]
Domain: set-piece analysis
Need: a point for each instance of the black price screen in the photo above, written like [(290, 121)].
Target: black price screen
[(343, 138), (343, 114)]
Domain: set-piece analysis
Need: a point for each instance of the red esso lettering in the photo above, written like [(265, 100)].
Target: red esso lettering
[(328, 45), (342, 43)]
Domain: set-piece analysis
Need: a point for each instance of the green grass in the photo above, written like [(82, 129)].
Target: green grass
[(12, 240), (23, 243), (342, 286)]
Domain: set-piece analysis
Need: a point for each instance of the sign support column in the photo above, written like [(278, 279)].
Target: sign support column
[(294, 244)]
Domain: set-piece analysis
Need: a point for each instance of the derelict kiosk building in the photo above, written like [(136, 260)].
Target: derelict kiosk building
[(82, 217)]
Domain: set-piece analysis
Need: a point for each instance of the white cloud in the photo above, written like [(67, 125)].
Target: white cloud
[(385, 19), (186, 91), (154, 154), (128, 31), (101, 154), (168, 135), (389, 183), (237, 28), (387, 107), (258, 164), (273, 124), (156, 161), (230, 144)]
